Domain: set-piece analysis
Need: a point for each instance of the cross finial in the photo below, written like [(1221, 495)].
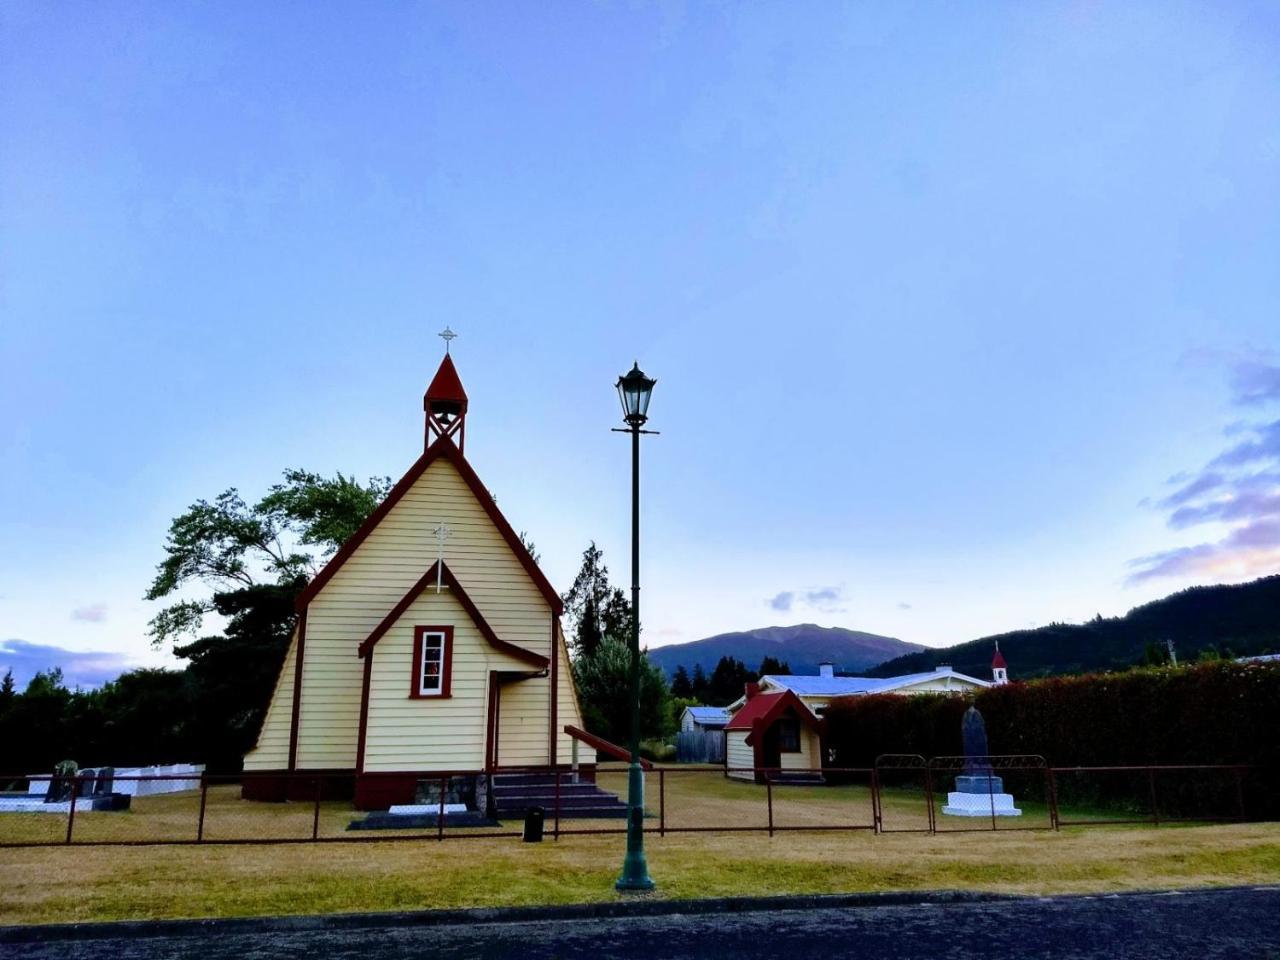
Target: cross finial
[(446, 335), (442, 533)]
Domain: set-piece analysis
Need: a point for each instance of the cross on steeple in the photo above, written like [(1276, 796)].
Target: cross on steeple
[(446, 335), (442, 533)]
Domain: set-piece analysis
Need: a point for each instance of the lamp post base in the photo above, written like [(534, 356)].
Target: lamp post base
[(635, 869)]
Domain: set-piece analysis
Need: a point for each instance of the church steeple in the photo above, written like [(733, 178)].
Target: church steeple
[(445, 402)]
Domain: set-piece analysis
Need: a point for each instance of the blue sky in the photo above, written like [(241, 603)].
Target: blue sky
[(949, 305)]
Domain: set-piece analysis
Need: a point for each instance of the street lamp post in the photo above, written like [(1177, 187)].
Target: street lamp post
[(634, 391)]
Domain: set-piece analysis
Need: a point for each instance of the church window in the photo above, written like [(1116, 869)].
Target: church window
[(432, 653)]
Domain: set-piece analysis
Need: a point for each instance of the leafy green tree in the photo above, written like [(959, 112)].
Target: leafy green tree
[(603, 678), (228, 545), (594, 608), (251, 561)]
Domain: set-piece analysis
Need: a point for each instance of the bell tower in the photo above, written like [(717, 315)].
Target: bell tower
[(999, 669), (445, 402)]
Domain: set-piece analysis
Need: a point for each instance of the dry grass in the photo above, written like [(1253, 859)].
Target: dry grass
[(52, 884)]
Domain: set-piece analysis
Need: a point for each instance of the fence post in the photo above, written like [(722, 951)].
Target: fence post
[(71, 814), (991, 794), (875, 800), (768, 786), (1151, 785), (1051, 789), (556, 829), (315, 817), (204, 798), (444, 787), (662, 802), (928, 798)]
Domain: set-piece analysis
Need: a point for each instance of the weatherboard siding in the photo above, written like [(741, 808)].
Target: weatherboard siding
[(435, 733), (809, 755), (272, 750), (738, 754), (378, 574), (570, 714)]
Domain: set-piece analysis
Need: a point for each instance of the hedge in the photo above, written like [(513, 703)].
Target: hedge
[(1211, 713)]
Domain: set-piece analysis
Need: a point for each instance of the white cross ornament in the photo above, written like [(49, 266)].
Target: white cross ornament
[(442, 533)]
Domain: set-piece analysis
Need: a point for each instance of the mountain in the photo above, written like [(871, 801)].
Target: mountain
[(1241, 620), (802, 647)]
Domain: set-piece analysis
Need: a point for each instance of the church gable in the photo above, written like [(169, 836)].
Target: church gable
[(443, 724), (364, 582)]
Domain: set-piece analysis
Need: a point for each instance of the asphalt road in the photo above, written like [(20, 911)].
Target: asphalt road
[(1236, 923)]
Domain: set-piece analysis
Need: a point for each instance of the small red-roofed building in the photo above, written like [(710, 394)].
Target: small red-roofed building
[(773, 734)]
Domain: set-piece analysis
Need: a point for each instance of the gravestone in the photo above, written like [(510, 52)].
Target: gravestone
[(88, 779), (102, 787), (62, 783)]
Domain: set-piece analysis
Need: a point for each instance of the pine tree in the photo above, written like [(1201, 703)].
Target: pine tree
[(594, 608), (699, 683), (773, 667), (681, 686)]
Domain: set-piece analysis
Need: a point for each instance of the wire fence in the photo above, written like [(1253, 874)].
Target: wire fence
[(900, 794)]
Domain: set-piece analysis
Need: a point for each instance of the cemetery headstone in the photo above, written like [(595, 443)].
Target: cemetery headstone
[(102, 786), (88, 780), (62, 783)]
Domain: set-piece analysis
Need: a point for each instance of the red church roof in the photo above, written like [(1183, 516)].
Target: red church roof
[(446, 385), (997, 662)]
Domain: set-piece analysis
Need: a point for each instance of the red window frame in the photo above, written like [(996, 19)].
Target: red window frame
[(446, 663)]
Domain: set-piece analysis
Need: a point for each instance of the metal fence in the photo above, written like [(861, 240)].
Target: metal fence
[(899, 794)]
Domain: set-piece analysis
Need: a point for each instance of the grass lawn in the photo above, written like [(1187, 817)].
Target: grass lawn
[(80, 883), (53, 884)]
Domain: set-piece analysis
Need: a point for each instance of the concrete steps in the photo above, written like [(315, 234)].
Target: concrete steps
[(514, 793)]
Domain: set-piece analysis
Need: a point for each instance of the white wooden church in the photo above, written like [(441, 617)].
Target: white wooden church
[(431, 641)]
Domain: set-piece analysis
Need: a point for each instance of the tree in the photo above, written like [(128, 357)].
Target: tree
[(593, 607), (603, 679), (253, 561), (728, 681), (227, 545), (527, 542), (681, 685), (773, 667), (699, 683)]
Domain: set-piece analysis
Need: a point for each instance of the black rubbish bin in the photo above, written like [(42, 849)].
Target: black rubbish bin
[(533, 819)]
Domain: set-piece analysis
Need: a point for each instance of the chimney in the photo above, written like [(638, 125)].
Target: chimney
[(752, 690), (944, 668), (826, 669)]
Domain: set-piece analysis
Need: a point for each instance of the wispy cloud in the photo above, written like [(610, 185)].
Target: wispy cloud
[(80, 668), (93, 613), (782, 602), (1238, 490), (1255, 383), (905, 606), (824, 599)]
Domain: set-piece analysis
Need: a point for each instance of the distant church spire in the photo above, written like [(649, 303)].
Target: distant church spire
[(445, 402), (999, 669)]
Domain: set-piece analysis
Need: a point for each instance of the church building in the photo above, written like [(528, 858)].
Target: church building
[(430, 642)]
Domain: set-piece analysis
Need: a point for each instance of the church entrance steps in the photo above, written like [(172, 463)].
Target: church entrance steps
[(513, 794)]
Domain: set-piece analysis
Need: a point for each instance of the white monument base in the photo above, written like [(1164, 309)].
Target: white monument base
[(418, 809), (27, 805), (981, 805)]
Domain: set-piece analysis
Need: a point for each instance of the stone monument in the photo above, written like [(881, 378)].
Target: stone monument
[(978, 792)]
